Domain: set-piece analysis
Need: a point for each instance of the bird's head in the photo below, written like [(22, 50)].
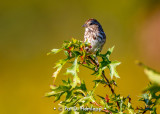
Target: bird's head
[(91, 23)]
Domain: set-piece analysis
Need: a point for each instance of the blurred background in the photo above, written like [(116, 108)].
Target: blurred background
[(31, 28)]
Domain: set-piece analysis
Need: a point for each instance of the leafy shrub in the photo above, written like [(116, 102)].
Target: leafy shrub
[(76, 93)]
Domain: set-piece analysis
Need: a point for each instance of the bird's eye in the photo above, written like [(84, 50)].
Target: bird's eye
[(91, 23)]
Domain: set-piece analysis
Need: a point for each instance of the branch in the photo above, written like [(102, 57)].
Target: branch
[(109, 85), (144, 111)]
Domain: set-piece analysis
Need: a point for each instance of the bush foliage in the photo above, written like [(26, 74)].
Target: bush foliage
[(81, 100)]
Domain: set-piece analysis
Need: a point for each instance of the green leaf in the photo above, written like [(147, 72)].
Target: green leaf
[(110, 50), (66, 53), (54, 51), (65, 82), (71, 102), (99, 73), (87, 99), (69, 94), (59, 66), (152, 75), (74, 41), (102, 81), (60, 88), (58, 91), (58, 96), (69, 80), (146, 98), (49, 94), (130, 109), (112, 67), (101, 97), (54, 93), (83, 86), (154, 110), (76, 53), (153, 88), (66, 41), (73, 70), (53, 87), (94, 88), (89, 66)]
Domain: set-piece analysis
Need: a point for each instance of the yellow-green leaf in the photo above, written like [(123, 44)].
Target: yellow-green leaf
[(59, 66), (54, 51), (73, 70), (112, 67), (152, 75), (110, 50)]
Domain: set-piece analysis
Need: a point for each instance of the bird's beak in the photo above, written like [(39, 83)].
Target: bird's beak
[(84, 25)]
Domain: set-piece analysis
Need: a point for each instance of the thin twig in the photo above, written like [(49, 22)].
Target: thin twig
[(95, 103), (109, 85), (144, 111)]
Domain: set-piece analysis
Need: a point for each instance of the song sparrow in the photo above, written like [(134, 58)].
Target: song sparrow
[(94, 35)]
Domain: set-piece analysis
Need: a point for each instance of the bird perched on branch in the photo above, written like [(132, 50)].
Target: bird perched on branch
[(94, 35)]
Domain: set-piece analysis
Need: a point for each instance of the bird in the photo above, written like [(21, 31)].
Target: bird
[(94, 35)]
